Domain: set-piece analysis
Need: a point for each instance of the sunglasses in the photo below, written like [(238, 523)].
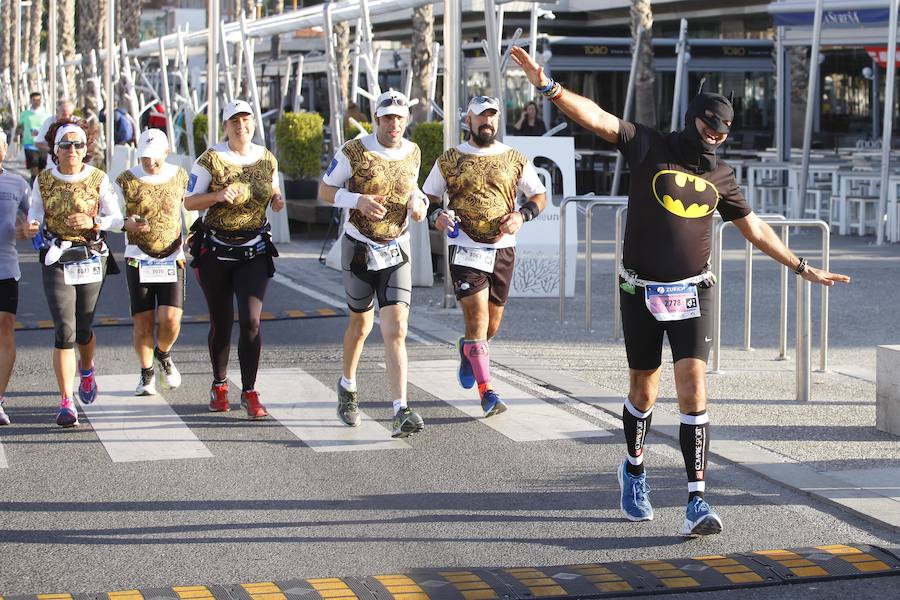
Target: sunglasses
[(393, 101), (67, 145), (485, 100)]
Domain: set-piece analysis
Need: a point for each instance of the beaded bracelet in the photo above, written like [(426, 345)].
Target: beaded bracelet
[(553, 90), (555, 94), (546, 88)]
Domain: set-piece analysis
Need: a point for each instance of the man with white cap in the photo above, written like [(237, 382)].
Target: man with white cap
[(374, 178), (154, 193), (14, 203), (233, 183), (482, 178)]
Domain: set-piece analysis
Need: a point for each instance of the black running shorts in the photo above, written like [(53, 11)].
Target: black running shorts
[(468, 281), (690, 338), (35, 158), (149, 296), (9, 295)]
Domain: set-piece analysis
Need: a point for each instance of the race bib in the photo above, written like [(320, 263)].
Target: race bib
[(672, 302), (476, 258), (158, 271), (382, 257), (83, 271)]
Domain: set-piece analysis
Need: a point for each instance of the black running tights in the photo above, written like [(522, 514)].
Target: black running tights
[(221, 282)]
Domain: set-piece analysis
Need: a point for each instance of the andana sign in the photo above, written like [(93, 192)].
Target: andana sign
[(835, 18)]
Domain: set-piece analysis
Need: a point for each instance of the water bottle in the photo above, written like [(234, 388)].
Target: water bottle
[(38, 242), (455, 232)]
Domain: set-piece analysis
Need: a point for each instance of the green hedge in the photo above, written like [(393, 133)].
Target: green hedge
[(201, 123), (300, 138), (351, 132), (430, 138)]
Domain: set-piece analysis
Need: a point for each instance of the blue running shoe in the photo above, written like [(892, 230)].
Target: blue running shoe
[(491, 404), (635, 497), (464, 374), (700, 519), (68, 414), (87, 389)]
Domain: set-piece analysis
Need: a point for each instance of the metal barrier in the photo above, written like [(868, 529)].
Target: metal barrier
[(804, 312), (748, 288), (591, 202)]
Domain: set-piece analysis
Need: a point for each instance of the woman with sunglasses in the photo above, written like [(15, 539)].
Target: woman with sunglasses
[(72, 206), (234, 182)]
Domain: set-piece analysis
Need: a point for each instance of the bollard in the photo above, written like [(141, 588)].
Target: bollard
[(803, 350)]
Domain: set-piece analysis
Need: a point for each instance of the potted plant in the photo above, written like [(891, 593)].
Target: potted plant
[(430, 138), (201, 123), (299, 138)]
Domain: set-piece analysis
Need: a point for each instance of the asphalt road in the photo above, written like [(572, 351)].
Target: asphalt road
[(266, 507)]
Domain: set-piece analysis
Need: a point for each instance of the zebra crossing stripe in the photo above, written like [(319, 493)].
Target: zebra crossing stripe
[(3, 463), (307, 407), (138, 428), (529, 418)]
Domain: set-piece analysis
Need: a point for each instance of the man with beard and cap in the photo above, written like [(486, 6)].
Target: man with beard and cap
[(676, 184), (482, 177)]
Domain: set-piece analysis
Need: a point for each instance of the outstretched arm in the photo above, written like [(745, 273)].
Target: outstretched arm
[(764, 237), (582, 110)]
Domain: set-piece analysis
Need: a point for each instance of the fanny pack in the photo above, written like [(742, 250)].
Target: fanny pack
[(705, 279), (201, 243), (75, 254)]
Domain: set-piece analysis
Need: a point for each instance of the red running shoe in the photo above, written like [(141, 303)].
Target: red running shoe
[(218, 398), (250, 402)]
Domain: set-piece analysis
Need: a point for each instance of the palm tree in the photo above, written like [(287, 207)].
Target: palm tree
[(6, 22), (128, 22), (645, 78), (342, 57), (91, 36), (35, 23), (66, 19), (421, 56)]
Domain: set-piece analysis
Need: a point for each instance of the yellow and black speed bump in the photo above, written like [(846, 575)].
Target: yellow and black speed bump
[(593, 580), (311, 313)]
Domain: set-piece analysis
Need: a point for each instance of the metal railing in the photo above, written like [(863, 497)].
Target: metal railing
[(748, 288), (803, 314), (591, 202)]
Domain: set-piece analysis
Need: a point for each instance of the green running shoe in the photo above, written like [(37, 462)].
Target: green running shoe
[(348, 406), (407, 422)]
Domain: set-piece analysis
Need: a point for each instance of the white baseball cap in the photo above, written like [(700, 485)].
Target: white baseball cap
[(392, 103), (235, 107), (479, 104), (153, 143), (2, 136)]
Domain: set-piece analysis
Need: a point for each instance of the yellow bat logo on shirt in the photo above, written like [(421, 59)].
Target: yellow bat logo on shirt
[(699, 195)]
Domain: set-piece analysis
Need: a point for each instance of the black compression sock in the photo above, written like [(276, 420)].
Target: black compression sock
[(636, 425), (160, 354)]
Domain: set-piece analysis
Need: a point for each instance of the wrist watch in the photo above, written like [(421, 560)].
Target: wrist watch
[(97, 222)]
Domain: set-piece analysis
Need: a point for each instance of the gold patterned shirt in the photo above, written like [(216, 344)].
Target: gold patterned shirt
[(57, 196), (255, 175), (482, 184), (157, 198), (374, 173)]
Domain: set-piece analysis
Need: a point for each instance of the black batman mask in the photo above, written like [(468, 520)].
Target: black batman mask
[(693, 150)]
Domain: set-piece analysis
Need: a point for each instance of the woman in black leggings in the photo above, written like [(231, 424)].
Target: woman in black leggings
[(234, 182), (72, 204)]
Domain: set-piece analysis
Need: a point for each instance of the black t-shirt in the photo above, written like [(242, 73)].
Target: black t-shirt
[(537, 129), (668, 230)]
